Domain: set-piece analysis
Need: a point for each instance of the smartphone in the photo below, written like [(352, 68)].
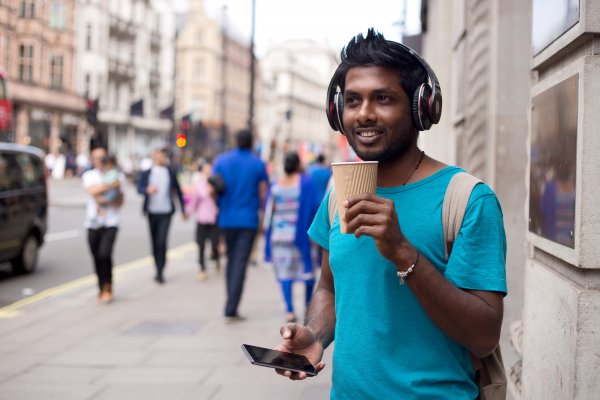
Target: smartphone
[(278, 359)]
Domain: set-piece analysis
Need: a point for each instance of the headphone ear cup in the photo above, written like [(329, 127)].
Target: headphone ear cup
[(339, 110), (420, 107), (331, 106)]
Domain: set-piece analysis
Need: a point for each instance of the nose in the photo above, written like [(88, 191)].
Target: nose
[(366, 112)]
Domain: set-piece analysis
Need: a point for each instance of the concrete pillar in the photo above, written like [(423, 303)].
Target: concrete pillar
[(54, 139), (83, 137), (22, 125)]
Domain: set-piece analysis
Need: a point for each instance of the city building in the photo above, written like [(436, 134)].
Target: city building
[(125, 68), (212, 79), (37, 51), (521, 82), (295, 77)]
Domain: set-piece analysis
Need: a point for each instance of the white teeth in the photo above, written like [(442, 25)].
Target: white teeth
[(368, 134)]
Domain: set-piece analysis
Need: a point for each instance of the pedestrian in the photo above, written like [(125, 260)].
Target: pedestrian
[(102, 227), (291, 206), (159, 186), (403, 316), (320, 174), (202, 203), (240, 178)]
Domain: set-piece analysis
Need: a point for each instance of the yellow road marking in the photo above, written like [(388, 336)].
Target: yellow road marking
[(13, 310)]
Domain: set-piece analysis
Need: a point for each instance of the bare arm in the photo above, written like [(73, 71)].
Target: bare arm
[(316, 334), (472, 318), (99, 189), (263, 187), (321, 312)]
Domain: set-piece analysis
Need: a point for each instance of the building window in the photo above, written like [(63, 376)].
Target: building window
[(88, 37), (56, 71), (27, 9), (26, 63), (199, 70), (199, 106), (86, 86), (58, 15)]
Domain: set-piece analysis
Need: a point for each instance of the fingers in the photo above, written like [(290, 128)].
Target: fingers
[(369, 210), (298, 376)]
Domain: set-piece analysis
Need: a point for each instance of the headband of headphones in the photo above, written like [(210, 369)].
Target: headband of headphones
[(426, 100)]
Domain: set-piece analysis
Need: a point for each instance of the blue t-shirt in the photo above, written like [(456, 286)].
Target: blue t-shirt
[(386, 347), (242, 171), (320, 175)]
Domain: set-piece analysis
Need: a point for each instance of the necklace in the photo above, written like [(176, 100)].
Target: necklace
[(415, 168)]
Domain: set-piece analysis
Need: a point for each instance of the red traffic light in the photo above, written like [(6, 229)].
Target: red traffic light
[(181, 140)]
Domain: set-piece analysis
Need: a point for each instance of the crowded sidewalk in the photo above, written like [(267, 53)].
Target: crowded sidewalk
[(153, 342)]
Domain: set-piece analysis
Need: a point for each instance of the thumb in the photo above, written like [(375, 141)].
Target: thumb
[(288, 331)]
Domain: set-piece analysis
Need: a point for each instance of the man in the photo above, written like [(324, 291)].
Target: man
[(159, 185), (245, 185), (393, 340), (320, 173), (102, 222)]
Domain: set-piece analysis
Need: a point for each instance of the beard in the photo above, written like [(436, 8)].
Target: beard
[(392, 150)]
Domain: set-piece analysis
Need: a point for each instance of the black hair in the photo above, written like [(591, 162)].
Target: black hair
[(244, 139), (109, 159), (291, 163), (376, 50), (320, 159)]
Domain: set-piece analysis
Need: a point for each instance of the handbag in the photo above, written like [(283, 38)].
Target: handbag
[(490, 375)]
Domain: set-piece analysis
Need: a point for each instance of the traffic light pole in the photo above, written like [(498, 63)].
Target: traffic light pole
[(252, 68)]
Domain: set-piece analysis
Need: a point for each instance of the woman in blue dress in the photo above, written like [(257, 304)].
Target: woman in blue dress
[(291, 206)]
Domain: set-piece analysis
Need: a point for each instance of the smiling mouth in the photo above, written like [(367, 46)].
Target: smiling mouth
[(368, 134)]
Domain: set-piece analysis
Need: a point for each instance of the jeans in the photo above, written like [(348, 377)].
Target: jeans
[(101, 243), (159, 230), (239, 246), (203, 232)]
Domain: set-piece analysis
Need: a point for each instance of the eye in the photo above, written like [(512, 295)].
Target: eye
[(351, 100), (383, 98)]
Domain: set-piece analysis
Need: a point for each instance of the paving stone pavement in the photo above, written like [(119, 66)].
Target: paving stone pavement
[(153, 342)]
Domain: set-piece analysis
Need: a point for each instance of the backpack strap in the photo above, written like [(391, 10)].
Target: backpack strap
[(456, 199)]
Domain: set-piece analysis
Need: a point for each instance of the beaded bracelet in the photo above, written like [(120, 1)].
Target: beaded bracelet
[(403, 274)]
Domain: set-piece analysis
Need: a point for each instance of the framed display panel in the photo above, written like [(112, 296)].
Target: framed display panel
[(569, 24), (564, 168), (553, 161)]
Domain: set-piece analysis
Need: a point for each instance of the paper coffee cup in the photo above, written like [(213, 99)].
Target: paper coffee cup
[(351, 179)]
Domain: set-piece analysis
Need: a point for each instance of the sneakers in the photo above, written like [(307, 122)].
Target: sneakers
[(202, 276), (291, 318), (105, 296), (231, 319)]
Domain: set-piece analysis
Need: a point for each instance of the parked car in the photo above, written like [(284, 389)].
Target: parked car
[(23, 205)]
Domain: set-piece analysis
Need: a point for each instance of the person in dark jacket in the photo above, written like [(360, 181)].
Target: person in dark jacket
[(159, 186)]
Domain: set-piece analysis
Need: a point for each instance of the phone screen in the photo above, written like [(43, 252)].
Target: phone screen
[(278, 359)]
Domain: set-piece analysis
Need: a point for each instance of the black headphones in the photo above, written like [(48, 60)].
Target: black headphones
[(426, 100)]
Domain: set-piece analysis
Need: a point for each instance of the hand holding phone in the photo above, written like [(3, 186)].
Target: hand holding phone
[(279, 359)]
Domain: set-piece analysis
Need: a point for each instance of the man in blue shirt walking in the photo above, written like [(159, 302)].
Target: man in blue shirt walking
[(245, 185)]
